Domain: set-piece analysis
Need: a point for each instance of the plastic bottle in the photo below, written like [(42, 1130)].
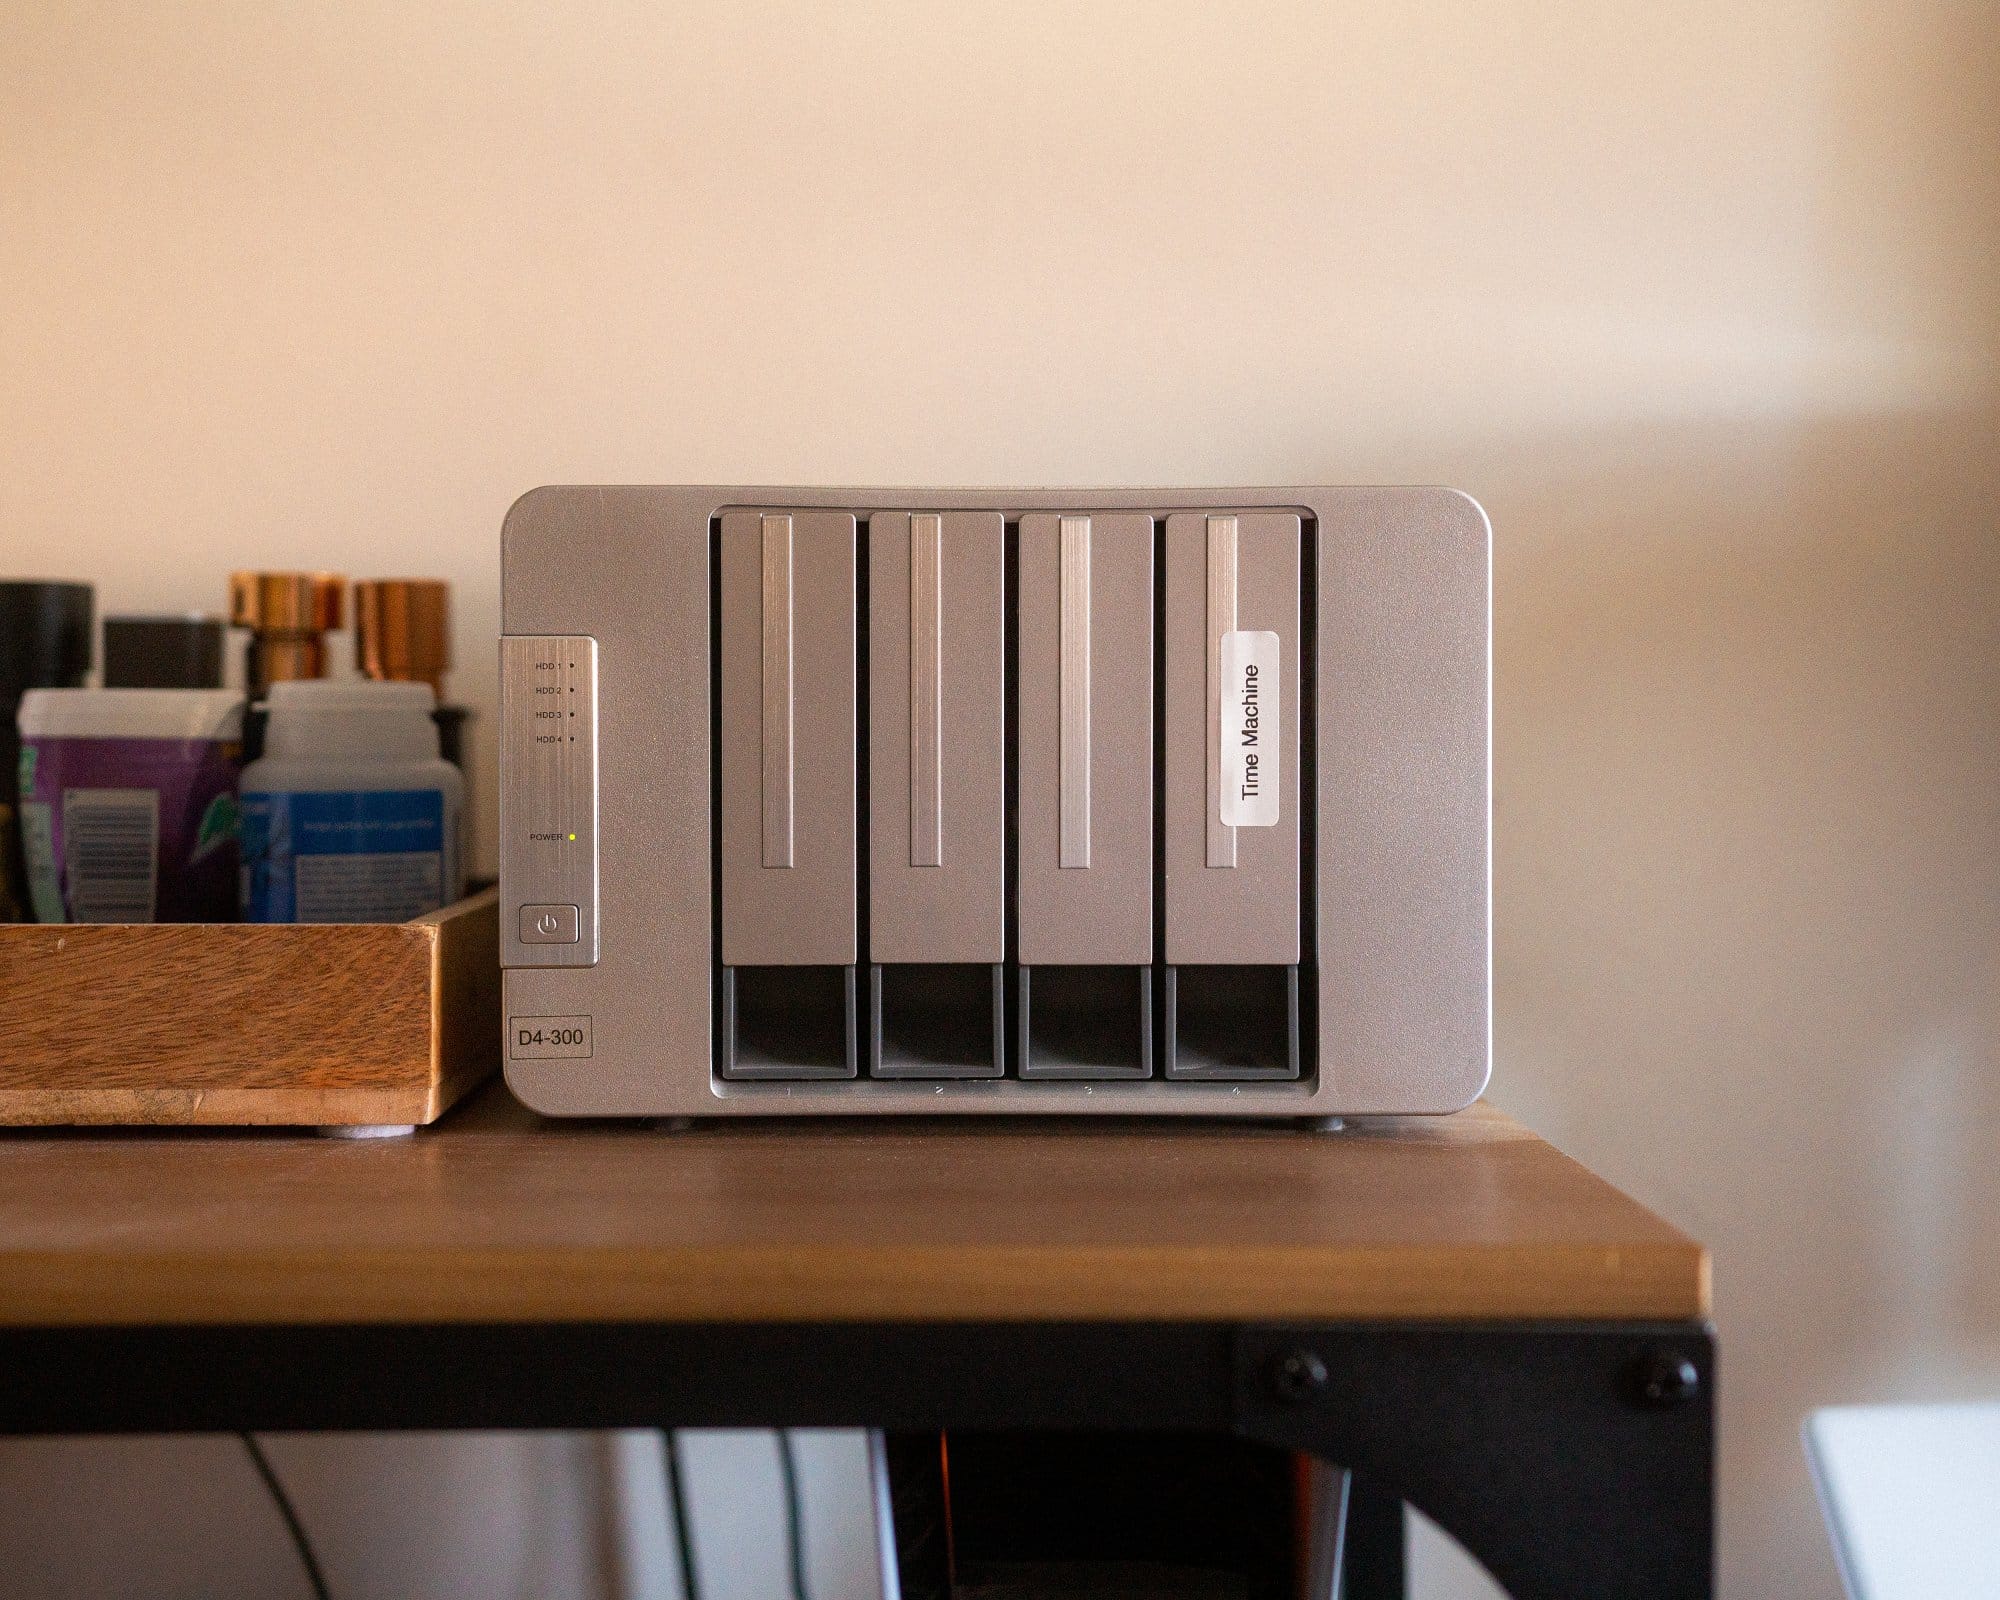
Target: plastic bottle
[(351, 815), (128, 803)]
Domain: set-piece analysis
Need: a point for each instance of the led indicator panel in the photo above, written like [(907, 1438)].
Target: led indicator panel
[(548, 804)]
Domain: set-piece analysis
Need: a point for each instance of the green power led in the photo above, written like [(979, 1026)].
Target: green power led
[(572, 838)]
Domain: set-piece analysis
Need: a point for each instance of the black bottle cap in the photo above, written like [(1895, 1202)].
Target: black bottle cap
[(163, 652), (44, 638)]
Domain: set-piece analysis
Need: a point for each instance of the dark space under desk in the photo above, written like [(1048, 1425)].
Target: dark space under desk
[(1465, 1317)]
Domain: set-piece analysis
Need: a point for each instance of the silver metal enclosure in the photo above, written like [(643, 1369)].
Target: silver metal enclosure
[(857, 801)]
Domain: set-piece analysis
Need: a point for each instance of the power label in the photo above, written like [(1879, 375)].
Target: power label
[(1252, 704)]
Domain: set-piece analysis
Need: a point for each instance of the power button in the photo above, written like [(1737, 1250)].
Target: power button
[(548, 924)]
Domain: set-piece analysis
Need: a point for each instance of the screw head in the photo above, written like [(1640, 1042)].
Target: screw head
[(1664, 1378), (1296, 1376)]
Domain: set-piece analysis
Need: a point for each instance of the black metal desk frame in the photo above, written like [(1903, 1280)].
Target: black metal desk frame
[(1573, 1459)]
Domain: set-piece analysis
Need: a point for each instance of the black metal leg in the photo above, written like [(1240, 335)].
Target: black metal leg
[(1572, 1461), (1371, 1562)]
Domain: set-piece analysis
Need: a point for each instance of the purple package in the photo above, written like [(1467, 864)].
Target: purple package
[(128, 803)]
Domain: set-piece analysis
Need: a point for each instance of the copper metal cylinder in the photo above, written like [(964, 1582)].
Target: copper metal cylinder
[(402, 629), (289, 615)]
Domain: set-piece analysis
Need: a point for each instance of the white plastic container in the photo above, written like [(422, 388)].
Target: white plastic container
[(351, 815)]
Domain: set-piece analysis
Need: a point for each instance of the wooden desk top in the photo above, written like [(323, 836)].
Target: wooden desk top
[(494, 1215)]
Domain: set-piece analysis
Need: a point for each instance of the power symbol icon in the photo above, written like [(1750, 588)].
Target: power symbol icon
[(549, 924)]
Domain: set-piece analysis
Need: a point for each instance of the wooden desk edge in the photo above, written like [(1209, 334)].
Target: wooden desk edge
[(1637, 1269), (1648, 1281)]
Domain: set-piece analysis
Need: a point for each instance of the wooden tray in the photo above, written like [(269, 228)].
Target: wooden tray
[(239, 1023)]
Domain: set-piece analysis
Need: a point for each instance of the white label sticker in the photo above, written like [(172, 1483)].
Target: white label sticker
[(1251, 774)]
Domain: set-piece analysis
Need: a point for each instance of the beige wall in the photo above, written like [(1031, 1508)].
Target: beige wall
[(1700, 299)]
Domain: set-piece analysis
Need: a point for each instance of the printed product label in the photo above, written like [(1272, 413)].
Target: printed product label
[(130, 830), (1251, 774), (548, 1038), (111, 853), (343, 856)]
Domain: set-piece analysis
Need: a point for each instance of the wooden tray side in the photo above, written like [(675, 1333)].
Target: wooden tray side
[(465, 998), (241, 1023)]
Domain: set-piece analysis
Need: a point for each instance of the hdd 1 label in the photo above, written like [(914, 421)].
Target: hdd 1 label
[(548, 1038), (1251, 776)]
